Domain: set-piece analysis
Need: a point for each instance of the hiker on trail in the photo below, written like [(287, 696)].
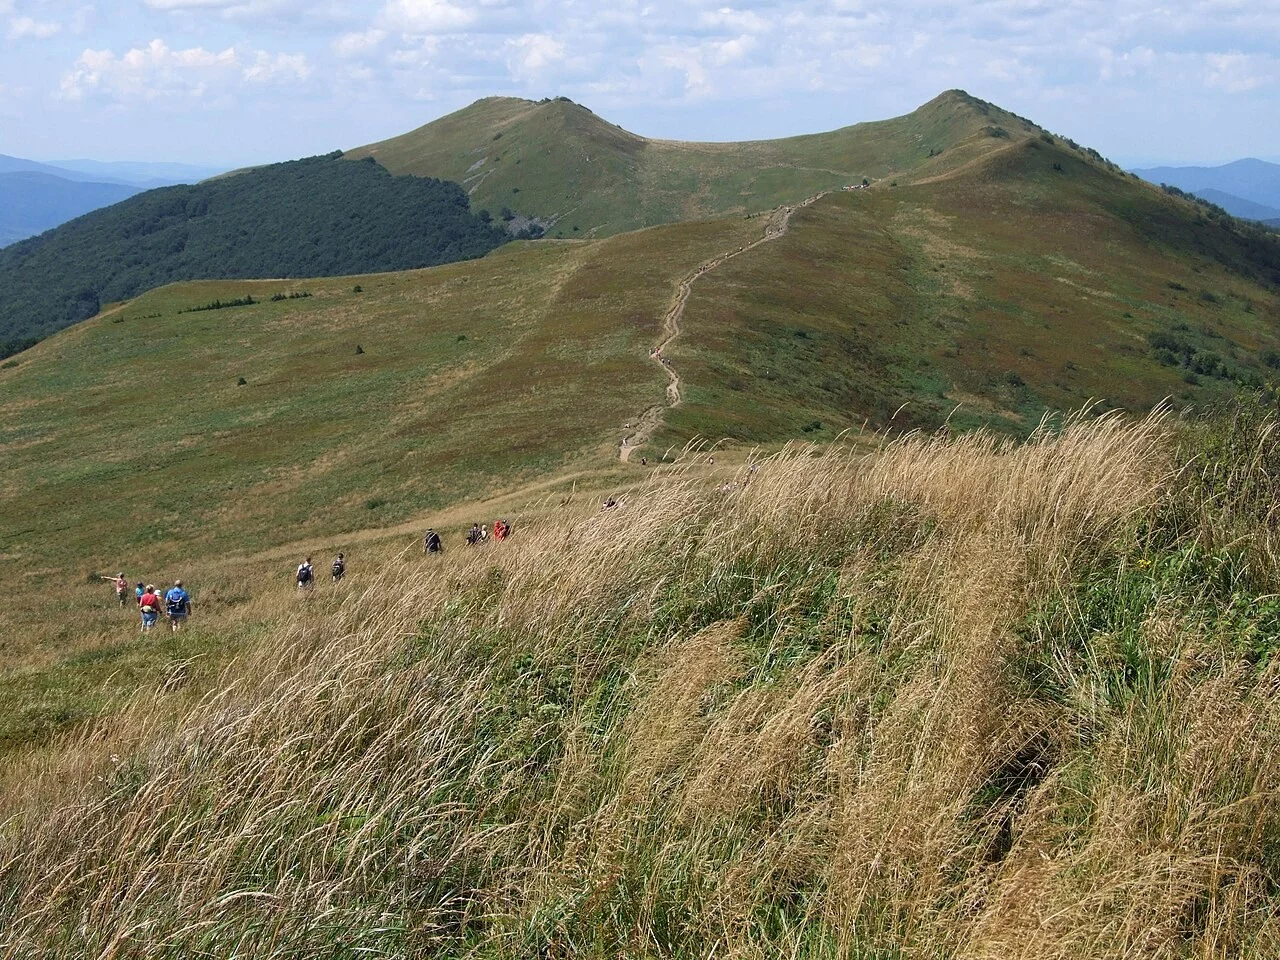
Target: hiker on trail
[(178, 605), (431, 542), (501, 529), (306, 576), (149, 605), (484, 533), (121, 585), (473, 535), (138, 592), (644, 461), (339, 567)]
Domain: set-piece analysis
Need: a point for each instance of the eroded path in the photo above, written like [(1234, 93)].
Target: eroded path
[(778, 224)]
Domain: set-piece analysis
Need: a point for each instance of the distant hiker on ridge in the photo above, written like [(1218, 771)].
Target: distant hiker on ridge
[(306, 575), (121, 585), (339, 567), (473, 535), (431, 542), (138, 592), (178, 605)]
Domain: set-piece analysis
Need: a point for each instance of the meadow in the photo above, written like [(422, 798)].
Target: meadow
[(962, 697), (223, 445), (948, 693), (130, 443)]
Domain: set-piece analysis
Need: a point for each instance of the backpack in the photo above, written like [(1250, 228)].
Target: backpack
[(304, 573), (338, 568)]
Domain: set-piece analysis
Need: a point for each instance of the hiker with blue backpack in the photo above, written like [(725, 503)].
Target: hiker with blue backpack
[(178, 605)]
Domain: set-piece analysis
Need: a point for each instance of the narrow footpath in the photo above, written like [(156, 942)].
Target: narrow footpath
[(777, 226)]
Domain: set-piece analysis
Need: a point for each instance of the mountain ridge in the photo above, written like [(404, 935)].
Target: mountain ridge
[(558, 161)]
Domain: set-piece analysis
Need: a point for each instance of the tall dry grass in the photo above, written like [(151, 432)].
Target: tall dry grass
[(942, 701)]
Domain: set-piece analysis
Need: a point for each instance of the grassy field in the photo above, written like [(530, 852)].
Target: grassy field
[(958, 699), (130, 442), (558, 161), (987, 296), (222, 445)]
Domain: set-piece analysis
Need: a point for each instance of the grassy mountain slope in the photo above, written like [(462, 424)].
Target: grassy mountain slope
[(959, 699), (313, 217), (128, 442), (1034, 278), (31, 203), (1028, 278), (558, 161)]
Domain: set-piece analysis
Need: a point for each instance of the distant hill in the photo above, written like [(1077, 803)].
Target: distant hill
[(10, 164), (142, 173), (1238, 206), (316, 217), (558, 161), (31, 203), (1253, 180)]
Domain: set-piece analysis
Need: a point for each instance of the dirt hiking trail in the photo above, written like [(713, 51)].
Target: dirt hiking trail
[(778, 224)]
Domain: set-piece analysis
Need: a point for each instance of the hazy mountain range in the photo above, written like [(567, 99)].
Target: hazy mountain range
[(1244, 188), (36, 196)]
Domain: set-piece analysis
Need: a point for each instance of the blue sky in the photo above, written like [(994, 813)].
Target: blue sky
[(230, 82)]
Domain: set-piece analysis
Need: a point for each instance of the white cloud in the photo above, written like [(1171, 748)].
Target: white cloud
[(1237, 72), (158, 71), (530, 55), (357, 44), (190, 4), (20, 27), (279, 67), (426, 16), (743, 21), (725, 52)]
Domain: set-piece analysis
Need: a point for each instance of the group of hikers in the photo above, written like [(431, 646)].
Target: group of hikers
[(477, 535), (305, 576), (175, 603)]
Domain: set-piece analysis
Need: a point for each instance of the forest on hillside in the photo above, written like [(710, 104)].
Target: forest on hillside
[(321, 216)]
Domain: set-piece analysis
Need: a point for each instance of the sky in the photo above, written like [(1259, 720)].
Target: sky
[(232, 82)]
